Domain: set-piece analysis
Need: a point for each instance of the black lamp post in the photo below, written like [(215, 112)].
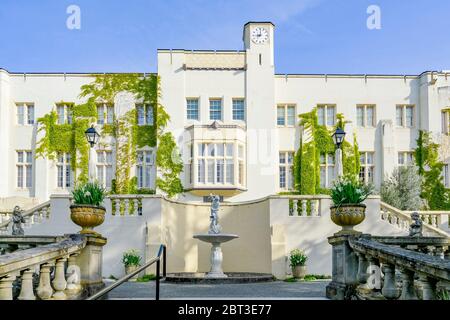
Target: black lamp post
[(338, 137), (92, 136)]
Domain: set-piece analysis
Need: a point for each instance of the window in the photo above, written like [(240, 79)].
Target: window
[(104, 168), (192, 109), (144, 114), (144, 168), (216, 163), (105, 114), (215, 109), (367, 170), (64, 112), (446, 121), (326, 170), (25, 113), (24, 169), (286, 171), (286, 115), (326, 114), (404, 116), (365, 115), (406, 158), (238, 109), (446, 176), (64, 178)]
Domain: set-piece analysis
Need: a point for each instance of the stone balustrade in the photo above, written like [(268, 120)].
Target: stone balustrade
[(55, 268), (304, 206), (366, 267), (126, 205), (32, 216), (435, 222)]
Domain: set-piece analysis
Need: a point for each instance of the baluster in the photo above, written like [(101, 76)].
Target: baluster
[(428, 287), (362, 268), (383, 214), (439, 252), (294, 207), (408, 291), (374, 274), (44, 290), (37, 216), (389, 290), (436, 221), (117, 207), (314, 208), (73, 275), (304, 207), (59, 282), (127, 207), (27, 222), (6, 287), (136, 206), (26, 291)]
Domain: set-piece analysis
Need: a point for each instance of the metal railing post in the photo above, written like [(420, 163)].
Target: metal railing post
[(164, 262), (157, 279)]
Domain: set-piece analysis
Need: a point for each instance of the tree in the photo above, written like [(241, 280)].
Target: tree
[(403, 188)]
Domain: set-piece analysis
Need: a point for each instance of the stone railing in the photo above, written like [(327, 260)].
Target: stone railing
[(402, 219), (125, 205), (56, 268), (302, 205), (406, 268), (32, 216)]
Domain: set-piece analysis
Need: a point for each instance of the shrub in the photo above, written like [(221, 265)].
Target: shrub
[(297, 258), (90, 193), (131, 258), (146, 278), (348, 190), (402, 189)]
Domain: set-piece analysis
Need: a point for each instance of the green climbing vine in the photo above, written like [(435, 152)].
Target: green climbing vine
[(128, 135)]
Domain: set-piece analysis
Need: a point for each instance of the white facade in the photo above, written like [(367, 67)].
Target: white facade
[(234, 101)]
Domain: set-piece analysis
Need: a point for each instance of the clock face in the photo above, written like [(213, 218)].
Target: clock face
[(259, 35)]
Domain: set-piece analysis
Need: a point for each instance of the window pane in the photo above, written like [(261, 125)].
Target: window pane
[(330, 159), (401, 158), (201, 171), (230, 171), (20, 176), (109, 176), (30, 114), (110, 114), (148, 157), (100, 175), (149, 115), (290, 157), (241, 172), (280, 116), (29, 176), (238, 110), (282, 157), (330, 176), (100, 114), (109, 157), (220, 170), (399, 116), (283, 177), (241, 152), (362, 172), (229, 149), (410, 159), (215, 109), (60, 176), (291, 178), (147, 177), (362, 158), (291, 115), (140, 157), (19, 156), (370, 116), (409, 116), (140, 115), (100, 157), (211, 150), (210, 171), (369, 158), (20, 114), (321, 115), (330, 116), (68, 176), (322, 159), (69, 114), (192, 109), (370, 174), (201, 149), (323, 179), (219, 149), (360, 116), (140, 176), (60, 112)]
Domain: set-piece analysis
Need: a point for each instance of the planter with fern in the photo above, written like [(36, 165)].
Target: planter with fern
[(348, 209), (86, 210), (297, 259)]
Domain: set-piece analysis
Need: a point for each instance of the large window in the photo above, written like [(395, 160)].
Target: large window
[(405, 116), (144, 167), (216, 163), (238, 109), (365, 115), (446, 121), (326, 170), (64, 177), (326, 114), (367, 170), (64, 112), (24, 169), (215, 109), (405, 158), (286, 170), (286, 115), (144, 114), (104, 168), (25, 113), (105, 114), (192, 109)]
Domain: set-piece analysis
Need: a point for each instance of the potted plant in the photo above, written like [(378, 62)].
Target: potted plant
[(86, 210), (348, 210), (131, 261), (298, 260)]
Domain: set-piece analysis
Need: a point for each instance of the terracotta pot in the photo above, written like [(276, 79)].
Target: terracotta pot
[(130, 269), (87, 217), (347, 216), (299, 272)]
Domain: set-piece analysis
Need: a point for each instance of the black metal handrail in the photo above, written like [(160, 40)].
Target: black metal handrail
[(157, 259)]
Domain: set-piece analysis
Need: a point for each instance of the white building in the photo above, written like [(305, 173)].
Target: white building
[(234, 119)]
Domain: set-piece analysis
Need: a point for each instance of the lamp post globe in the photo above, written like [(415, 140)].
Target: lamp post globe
[(338, 137), (92, 136)]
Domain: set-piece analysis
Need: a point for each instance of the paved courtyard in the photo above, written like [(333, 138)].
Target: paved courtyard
[(267, 290)]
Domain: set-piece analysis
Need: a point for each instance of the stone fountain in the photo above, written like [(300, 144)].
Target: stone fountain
[(216, 238)]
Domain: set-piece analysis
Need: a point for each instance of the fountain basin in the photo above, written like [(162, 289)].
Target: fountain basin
[(215, 238)]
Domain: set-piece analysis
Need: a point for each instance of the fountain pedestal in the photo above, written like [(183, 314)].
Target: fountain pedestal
[(216, 240)]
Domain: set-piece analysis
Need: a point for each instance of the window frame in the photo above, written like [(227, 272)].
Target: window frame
[(288, 170), (104, 166), (364, 166), (286, 107), (327, 166), (26, 107), (403, 108), (67, 112), (198, 108), (325, 107), (64, 165), (147, 107), (364, 108), (144, 183), (106, 107), (233, 111), (24, 165), (220, 100)]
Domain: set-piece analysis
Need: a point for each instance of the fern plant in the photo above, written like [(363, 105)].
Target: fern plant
[(90, 193), (348, 190)]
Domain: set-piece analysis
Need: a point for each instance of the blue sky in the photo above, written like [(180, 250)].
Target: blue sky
[(312, 36)]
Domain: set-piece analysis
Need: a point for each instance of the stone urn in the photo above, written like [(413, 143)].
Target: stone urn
[(299, 272), (87, 217), (347, 216), (131, 268)]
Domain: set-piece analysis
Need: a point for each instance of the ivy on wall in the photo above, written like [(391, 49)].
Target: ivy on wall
[(128, 135)]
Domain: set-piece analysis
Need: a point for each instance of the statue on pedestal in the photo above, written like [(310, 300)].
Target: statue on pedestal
[(214, 227), (17, 220), (415, 229)]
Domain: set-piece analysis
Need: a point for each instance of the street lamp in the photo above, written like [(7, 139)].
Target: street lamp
[(338, 138), (92, 137)]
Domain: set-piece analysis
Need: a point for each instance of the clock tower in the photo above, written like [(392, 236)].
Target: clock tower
[(262, 139)]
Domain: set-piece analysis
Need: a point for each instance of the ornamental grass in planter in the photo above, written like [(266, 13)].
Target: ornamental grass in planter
[(86, 210), (348, 210), (131, 261), (297, 259)]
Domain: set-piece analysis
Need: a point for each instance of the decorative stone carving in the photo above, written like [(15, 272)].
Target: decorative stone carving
[(17, 220), (214, 227), (415, 229)]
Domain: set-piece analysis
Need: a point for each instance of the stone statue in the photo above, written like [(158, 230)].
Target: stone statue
[(17, 220), (415, 229), (214, 227)]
